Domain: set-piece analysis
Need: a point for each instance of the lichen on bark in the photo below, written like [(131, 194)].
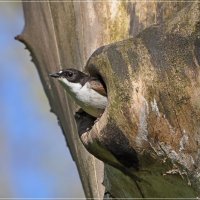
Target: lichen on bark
[(149, 81)]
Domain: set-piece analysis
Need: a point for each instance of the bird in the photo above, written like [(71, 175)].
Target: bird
[(87, 91)]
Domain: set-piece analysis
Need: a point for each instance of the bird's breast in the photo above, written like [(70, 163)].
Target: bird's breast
[(88, 99), (91, 97)]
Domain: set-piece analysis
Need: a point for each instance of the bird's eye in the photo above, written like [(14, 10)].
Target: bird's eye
[(70, 74)]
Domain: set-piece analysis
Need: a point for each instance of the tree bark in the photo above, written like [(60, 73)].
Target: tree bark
[(152, 82)]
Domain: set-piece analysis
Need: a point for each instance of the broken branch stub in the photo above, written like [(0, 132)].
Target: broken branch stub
[(153, 113)]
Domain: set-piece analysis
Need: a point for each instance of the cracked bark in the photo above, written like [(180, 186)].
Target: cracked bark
[(153, 89)]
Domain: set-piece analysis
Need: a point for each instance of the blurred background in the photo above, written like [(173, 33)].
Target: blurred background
[(34, 159)]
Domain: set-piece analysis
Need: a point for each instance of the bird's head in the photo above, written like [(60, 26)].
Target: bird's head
[(69, 76)]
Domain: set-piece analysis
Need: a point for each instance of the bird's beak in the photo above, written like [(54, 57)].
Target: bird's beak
[(55, 75)]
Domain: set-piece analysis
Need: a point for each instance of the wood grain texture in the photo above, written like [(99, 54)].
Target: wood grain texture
[(65, 34)]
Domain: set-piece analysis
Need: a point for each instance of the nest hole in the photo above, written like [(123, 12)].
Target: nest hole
[(84, 121)]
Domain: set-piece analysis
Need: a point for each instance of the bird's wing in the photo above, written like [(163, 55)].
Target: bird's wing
[(98, 87)]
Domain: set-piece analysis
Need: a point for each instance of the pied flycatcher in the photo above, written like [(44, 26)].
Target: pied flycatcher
[(88, 92)]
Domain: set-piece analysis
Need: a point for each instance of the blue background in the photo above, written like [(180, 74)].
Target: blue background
[(34, 159)]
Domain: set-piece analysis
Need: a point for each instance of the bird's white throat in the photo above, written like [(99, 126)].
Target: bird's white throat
[(88, 99)]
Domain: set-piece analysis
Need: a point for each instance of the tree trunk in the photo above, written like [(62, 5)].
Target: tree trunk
[(153, 90)]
